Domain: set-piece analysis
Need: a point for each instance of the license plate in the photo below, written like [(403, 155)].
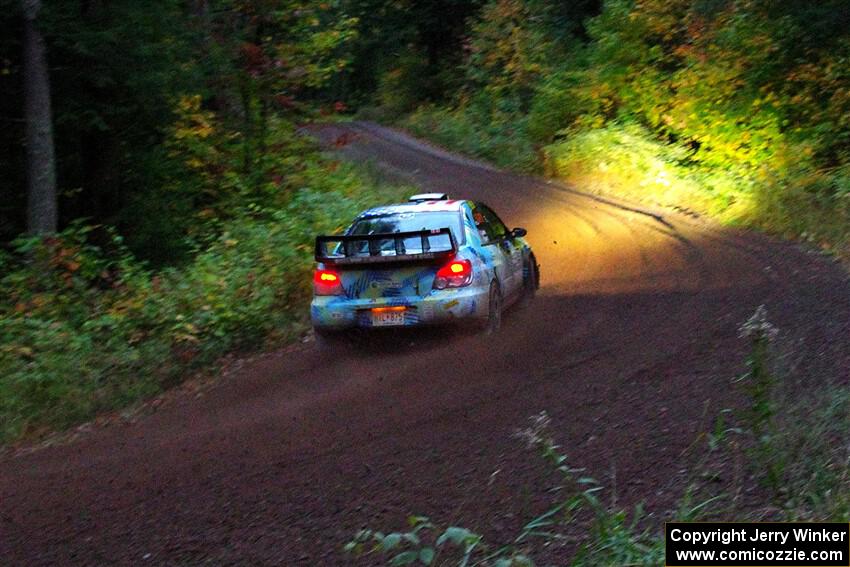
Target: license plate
[(387, 318)]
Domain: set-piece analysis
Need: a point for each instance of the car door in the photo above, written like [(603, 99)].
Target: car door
[(511, 251), (493, 237)]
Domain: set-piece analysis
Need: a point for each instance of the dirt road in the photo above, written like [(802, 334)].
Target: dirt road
[(630, 347)]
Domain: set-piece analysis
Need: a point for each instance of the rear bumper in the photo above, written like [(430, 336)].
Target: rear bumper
[(439, 307)]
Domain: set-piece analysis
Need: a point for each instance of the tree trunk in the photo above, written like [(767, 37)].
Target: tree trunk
[(41, 163)]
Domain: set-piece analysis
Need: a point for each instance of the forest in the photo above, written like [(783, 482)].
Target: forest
[(158, 204), (736, 110)]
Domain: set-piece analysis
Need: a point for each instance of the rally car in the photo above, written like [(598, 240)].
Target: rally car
[(432, 260)]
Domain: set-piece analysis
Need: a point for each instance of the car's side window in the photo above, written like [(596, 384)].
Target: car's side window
[(497, 228), (482, 224)]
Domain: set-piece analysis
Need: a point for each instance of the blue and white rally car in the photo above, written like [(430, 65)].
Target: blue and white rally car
[(429, 261)]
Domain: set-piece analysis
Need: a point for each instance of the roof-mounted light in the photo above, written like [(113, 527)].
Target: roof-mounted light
[(428, 197)]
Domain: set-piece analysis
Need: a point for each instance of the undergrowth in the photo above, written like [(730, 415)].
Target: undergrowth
[(85, 327), (795, 200), (501, 139)]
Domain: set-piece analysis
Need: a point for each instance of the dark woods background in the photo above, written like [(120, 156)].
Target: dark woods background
[(735, 83), (118, 69)]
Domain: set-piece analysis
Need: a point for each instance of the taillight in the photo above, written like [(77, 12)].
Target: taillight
[(326, 282), (456, 273)]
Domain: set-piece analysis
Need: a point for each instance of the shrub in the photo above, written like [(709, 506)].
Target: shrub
[(794, 199), (495, 134), (624, 160), (807, 204), (403, 86)]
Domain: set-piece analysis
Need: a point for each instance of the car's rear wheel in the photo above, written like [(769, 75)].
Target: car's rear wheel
[(531, 281), (493, 323)]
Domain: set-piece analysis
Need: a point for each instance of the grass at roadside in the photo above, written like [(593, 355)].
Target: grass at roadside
[(86, 328)]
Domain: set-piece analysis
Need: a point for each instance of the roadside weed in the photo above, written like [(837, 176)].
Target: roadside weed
[(797, 443)]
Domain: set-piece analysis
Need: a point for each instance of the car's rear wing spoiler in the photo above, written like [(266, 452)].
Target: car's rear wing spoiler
[(356, 249)]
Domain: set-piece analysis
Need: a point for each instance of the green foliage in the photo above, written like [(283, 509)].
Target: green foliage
[(735, 109), (422, 545), (84, 327), (481, 132), (274, 53), (760, 385), (209, 182), (506, 58), (121, 73), (516, 44), (400, 88), (560, 105), (812, 448), (417, 47), (718, 82), (176, 124), (624, 160)]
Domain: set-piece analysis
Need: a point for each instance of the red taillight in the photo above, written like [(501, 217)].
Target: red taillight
[(326, 282), (456, 273), (326, 277)]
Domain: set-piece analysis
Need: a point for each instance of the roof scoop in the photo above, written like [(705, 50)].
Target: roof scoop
[(428, 197)]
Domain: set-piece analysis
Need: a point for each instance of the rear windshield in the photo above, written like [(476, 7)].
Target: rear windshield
[(409, 222)]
